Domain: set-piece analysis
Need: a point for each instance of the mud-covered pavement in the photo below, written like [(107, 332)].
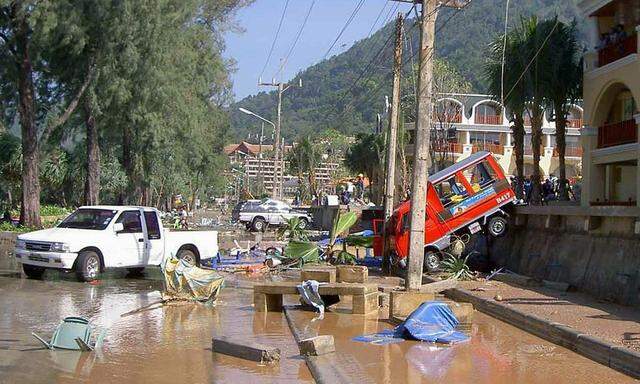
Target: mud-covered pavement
[(172, 344)]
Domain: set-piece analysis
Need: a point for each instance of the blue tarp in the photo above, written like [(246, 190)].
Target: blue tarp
[(433, 322)]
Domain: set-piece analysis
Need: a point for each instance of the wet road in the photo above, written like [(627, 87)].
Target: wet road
[(166, 345)]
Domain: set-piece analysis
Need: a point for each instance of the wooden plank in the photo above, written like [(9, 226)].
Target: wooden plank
[(439, 286), (245, 350), (289, 288)]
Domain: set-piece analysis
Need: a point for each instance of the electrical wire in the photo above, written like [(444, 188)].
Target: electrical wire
[(344, 28), (295, 41), (378, 18), (275, 38)]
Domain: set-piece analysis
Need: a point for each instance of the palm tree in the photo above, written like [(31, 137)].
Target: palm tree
[(563, 88), (304, 159), (365, 156), (510, 92)]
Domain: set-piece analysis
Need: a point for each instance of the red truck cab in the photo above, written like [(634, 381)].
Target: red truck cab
[(464, 198)]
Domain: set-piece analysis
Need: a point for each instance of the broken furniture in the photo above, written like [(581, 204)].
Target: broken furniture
[(267, 297), (74, 333)]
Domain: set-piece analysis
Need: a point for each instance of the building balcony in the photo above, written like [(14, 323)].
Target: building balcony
[(447, 118), (488, 119), (496, 149), (616, 51), (574, 123), (569, 152), (624, 132)]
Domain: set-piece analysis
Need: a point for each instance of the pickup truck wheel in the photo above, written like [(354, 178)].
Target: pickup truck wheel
[(188, 256), (259, 224), (431, 261), (497, 226), (88, 266), (32, 271), (304, 223)]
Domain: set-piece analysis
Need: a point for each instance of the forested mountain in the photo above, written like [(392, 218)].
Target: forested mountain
[(329, 98)]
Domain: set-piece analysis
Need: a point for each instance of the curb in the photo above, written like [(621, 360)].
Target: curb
[(324, 369), (613, 356)]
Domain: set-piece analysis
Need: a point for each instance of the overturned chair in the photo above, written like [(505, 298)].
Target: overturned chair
[(74, 333)]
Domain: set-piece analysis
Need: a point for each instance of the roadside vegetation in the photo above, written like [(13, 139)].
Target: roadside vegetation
[(118, 102)]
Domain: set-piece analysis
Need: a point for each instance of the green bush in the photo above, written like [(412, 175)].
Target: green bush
[(8, 227), (52, 210), (457, 267)]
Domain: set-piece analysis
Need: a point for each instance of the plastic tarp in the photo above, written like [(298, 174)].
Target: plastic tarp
[(309, 293), (432, 322), (185, 281)]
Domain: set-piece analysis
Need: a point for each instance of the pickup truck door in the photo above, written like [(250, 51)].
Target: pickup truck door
[(155, 243), (128, 247)]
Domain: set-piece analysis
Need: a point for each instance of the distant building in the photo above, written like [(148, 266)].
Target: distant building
[(473, 122), (256, 165), (611, 92)]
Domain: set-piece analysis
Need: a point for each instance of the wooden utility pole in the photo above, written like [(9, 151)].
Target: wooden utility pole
[(423, 135), (278, 171), (392, 143)]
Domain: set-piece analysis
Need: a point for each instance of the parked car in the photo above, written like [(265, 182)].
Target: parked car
[(465, 198), (243, 205), (271, 212), (95, 238)]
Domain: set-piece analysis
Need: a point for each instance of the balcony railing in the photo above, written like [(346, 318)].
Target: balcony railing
[(569, 152), (447, 118), (574, 123), (624, 132), (618, 50), (491, 147), (488, 119), (449, 147)]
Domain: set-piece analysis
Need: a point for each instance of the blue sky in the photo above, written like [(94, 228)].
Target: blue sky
[(260, 21)]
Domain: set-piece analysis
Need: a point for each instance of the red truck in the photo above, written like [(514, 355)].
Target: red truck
[(465, 198)]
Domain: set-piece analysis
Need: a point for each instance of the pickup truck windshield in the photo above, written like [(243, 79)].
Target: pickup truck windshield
[(96, 219)]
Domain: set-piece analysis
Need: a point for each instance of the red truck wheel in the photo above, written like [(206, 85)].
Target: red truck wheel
[(431, 261)]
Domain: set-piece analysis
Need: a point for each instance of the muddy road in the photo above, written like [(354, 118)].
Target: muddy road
[(172, 343)]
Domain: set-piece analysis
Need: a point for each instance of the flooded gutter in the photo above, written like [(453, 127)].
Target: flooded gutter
[(324, 369), (619, 358)]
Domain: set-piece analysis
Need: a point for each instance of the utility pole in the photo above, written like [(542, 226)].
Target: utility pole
[(392, 143), (260, 175), (423, 135), (276, 192)]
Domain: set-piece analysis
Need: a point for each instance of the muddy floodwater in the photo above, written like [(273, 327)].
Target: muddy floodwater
[(172, 344)]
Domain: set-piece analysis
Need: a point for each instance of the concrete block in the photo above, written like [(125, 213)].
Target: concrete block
[(625, 360), (264, 302), (564, 335), (363, 304), (244, 350), (352, 274), (402, 303), (383, 299), (462, 311), (317, 346), (320, 274)]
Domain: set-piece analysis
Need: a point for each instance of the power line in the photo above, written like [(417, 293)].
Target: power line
[(378, 18), (275, 38), (349, 20), (295, 41)]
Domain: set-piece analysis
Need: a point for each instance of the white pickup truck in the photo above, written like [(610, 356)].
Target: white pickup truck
[(94, 238)]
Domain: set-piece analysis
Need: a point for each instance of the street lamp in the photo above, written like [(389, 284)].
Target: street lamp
[(274, 190)]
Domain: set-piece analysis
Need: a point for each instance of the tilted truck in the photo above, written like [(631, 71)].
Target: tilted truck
[(465, 198), (95, 238)]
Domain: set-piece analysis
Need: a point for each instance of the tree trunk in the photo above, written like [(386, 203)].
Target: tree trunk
[(92, 182), (561, 144), (536, 142), (518, 138), (30, 209)]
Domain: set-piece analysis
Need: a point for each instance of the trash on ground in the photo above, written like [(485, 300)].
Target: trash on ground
[(188, 282), (309, 294), (432, 322), (253, 352), (74, 333)]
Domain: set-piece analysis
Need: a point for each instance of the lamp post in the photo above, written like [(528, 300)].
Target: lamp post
[(274, 190)]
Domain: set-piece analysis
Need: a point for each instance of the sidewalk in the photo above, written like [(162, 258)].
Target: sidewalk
[(611, 322)]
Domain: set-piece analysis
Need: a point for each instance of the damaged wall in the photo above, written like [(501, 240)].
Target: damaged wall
[(603, 260)]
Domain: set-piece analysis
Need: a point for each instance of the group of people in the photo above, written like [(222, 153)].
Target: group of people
[(354, 189), (550, 188), (616, 35)]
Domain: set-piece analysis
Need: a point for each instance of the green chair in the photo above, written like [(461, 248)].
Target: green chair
[(74, 333)]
